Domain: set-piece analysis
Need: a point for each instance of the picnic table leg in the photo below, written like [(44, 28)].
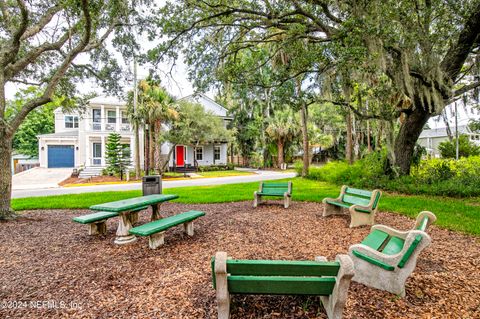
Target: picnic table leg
[(156, 212), (124, 225), (188, 227)]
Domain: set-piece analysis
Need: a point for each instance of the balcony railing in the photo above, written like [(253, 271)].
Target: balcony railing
[(111, 127), (96, 126)]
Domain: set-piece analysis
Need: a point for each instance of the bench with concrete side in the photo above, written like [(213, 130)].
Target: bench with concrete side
[(97, 221), (329, 280), (361, 204), (156, 230), (275, 190), (387, 257)]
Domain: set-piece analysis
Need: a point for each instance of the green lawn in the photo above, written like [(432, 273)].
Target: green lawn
[(455, 214)]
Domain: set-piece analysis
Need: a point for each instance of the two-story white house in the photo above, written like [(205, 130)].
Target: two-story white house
[(79, 139)]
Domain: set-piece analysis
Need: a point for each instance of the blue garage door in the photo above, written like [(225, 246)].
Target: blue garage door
[(61, 156)]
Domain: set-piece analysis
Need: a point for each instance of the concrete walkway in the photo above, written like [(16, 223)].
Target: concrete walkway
[(259, 176), (40, 178)]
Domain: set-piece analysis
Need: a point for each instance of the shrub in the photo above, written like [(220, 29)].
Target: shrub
[(443, 177), (213, 168), (466, 148)]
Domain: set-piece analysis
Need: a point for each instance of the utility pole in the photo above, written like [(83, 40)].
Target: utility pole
[(456, 132), (135, 121)]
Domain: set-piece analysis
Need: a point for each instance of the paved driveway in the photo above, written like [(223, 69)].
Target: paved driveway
[(40, 178)]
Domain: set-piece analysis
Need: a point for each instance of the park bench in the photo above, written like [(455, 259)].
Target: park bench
[(329, 280), (97, 221), (156, 230), (273, 189), (361, 204), (386, 257)]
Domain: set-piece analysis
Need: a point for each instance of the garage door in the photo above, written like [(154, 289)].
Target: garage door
[(61, 156)]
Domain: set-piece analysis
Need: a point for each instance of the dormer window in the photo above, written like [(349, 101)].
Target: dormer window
[(71, 121)]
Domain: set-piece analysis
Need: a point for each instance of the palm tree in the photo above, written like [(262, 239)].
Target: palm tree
[(282, 127)]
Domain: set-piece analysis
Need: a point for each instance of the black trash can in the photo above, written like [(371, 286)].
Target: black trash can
[(152, 185)]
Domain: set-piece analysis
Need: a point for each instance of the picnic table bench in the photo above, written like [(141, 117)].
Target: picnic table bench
[(329, 280), (273, 189), (127, 210), (362, 205), (155, 230), (386, 257)]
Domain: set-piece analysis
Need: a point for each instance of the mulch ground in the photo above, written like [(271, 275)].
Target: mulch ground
[(50, 268)]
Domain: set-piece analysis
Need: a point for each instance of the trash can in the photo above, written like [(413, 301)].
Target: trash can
[(152, 185)]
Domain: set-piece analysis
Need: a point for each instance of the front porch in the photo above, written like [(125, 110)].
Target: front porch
[(95, 149), (186, 158)]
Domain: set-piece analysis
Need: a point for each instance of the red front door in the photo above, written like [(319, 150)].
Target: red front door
[(179, 156)]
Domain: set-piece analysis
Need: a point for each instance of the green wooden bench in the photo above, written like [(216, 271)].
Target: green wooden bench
[(386, 257), (156, 230), (97, 221), (329, 280), (361, 204), (273, 189)]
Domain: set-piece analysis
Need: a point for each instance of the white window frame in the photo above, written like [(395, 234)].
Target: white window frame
[(73, 121), (114, 118), (215, 148), (197, 153), (124, 117)]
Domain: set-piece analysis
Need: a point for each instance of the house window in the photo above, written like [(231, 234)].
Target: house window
[(199, 153), (111, 117), (97, 113), (71, 121), (125, 118), (216, 153)]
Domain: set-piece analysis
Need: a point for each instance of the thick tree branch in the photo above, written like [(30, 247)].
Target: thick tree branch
[(59, 73), (42, 22), (8, 52), (458, 52)]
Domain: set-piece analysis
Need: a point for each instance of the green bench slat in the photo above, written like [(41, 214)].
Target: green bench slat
[(373, 261), (281, 268), (272, 193), (355, 200), (285, 185), (394, 246), (359, 192), (133, 203), (282, 285), (375, 239), (423, 225), (338, 204), (95, 217), (409, 251), (165, 223)]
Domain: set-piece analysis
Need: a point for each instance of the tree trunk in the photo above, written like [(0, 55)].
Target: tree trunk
[(151, 147), (158, 145), (407, 137), (137, 150), (369, 144), (349, 142), (5, 177), (306, 147), (280, 153), (146, 150)]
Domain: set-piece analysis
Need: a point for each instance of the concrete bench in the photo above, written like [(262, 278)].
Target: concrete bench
[(386, 257), (273, 189), (156, 230), (97, 221), (329, 280), (361, 204)]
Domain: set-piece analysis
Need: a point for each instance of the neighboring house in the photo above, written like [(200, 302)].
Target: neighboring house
[(79, 139), (431, 138), (21, 162)]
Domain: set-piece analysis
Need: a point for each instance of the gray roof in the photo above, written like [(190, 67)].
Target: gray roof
[(442, 131), (61, 134)]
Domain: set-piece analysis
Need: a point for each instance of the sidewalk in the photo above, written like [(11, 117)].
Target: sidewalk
[(40, 178)]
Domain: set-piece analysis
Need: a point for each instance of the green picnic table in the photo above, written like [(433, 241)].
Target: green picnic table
[(127, 210)]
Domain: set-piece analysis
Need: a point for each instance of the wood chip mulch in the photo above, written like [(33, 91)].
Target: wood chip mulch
[(51, 268)]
